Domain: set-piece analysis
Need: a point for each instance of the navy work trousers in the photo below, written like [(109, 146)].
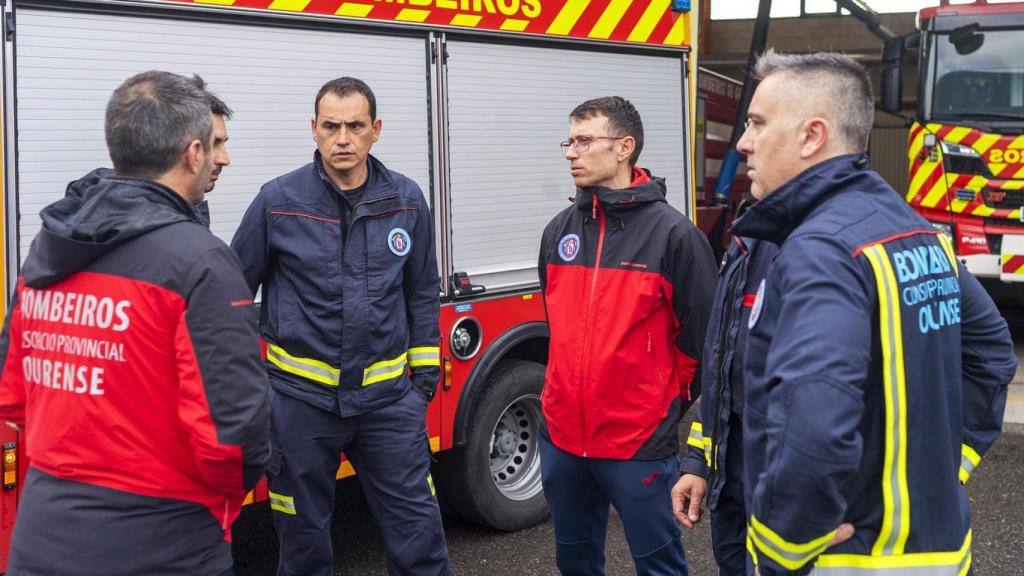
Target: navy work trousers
[(579, 491), (389, 450), (729, 516)]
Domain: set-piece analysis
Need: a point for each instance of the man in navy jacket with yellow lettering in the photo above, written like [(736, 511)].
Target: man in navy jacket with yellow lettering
[(876, 366)]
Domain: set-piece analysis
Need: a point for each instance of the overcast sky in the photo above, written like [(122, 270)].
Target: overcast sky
[(725, 9)]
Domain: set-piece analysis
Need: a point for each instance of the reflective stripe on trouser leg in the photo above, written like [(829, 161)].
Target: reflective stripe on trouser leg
[(307, 445)]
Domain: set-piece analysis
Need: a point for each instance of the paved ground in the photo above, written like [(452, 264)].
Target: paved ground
[(996, 491)]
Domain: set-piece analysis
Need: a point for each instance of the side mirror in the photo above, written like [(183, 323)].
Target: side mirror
[(892, 76)]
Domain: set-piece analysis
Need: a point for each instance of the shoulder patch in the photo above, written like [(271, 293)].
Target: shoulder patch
[(569, 247), (755, 311), (399, 242)]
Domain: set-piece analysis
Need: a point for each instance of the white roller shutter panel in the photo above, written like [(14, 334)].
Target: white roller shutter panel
[(68, 64), (509, 109)]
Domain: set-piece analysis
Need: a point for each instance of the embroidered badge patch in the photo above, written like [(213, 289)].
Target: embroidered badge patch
[(755, 311), (569, 247), (399, 242)]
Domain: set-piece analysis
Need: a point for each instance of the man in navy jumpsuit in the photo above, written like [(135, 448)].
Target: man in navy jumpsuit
[(876, 367), (343, 249), (714, 456)]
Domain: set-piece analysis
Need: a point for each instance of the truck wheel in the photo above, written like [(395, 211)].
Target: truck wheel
[(494, 479)]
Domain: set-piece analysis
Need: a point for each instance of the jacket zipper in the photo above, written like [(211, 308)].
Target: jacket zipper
[(723, 333), (597, 211), (366, 249)]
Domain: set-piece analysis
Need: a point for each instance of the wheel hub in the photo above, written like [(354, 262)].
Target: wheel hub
[(515, 462)]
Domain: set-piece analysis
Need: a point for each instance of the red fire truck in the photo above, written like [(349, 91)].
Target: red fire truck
[(475, 96), (966, 145)]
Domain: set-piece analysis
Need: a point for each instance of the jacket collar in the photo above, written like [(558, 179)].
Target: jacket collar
[(642, 190), (775, 216), (379, 181)]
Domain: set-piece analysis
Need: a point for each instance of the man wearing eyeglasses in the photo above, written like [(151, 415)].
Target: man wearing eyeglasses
[(628, 283)]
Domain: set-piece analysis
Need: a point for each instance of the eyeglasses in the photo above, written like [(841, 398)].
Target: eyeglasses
[(582, 143)]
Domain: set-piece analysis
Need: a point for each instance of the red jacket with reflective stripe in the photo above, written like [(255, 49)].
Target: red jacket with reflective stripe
[(627, 282)]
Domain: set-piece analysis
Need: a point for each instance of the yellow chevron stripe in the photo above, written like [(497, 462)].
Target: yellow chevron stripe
[(643, 29), (353, 9), (957, 205), (933, 127), (412, 15), (568, 17), (920, 177), (291, 5), (1015, 215), (677, 36), (957, 134), (996, 168), (1019, 175), (915, 146), (515, 25), (937, 193), (467, 20), (1013, 184), (609, 19), (983, 211), (1018, 142), (987, 141)]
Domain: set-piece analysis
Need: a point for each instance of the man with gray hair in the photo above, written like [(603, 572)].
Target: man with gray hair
[(876, 365), (130, 356)]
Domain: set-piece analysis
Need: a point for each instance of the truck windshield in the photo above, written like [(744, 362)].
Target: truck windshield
[(975, 75)]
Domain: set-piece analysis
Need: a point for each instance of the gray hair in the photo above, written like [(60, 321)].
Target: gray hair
[(842, 86), (152, 117)]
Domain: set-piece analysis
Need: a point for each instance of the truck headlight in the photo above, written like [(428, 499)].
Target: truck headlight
[(954, 149)]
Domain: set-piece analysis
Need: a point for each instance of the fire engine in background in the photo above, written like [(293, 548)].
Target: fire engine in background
[(475, 97), (966, 145), (718, 104)]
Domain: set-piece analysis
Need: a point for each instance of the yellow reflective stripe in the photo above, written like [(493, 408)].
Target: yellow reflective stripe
[(969, 459), (430, 482), (708, 449), (750, 548), (787, 554), (281, 503), (308, 368), (947, 245), (895, 492), (424, 356), (385, 370), (696, 437), (955, 563)]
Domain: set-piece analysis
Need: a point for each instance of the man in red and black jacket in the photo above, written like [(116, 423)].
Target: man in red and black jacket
[(628, 283), (130, 356)]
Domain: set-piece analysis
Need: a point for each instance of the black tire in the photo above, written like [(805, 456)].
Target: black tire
[(494, 479)]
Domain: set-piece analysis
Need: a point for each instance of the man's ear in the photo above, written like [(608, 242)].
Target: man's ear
[(625, 149), (814, 136), (194, 156), (377, 125)]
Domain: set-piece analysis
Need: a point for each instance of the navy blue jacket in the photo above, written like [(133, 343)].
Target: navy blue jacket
[(744, 266), (876, 375), (350, 297)]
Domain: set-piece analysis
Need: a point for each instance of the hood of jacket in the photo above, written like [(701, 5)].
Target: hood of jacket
[(775, 216), (98, 213)]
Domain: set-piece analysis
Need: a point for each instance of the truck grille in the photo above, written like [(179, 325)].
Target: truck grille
[(1011, 199), (1004, 222)]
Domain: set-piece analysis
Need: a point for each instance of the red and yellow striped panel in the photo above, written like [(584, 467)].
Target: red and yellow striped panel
[(929, 184), (1013, 264), (636, 21)]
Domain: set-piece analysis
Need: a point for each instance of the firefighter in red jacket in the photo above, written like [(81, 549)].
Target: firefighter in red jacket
[(130, 356), (628, 283)]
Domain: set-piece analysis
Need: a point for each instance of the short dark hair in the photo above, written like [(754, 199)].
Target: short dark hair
[(152, 117), (623, 119), (343, 87), (851, 103)]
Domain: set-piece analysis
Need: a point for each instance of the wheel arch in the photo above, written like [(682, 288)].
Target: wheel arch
[(527, 341)]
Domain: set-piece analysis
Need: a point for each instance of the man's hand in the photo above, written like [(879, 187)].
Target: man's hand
[(687, 495)]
